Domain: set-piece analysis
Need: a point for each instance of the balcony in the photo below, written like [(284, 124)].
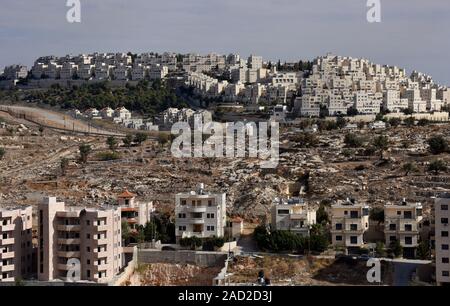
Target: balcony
[(7, 255), (69, 228), (101, 267), (64, 267), (7, 268), (101, 241), (197, 221), (69, 241), (7, 228), (298, 216), (197, 209), (7, 241), (102, 228), (69, 254)]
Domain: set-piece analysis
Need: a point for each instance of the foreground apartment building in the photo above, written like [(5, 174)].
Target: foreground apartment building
[(293, 215), (442, 239), (200, 213), (16, 249), (92, 236), (349, 221), (402, 223)]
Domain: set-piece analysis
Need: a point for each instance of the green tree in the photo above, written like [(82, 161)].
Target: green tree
[(353, 141), (395, 122), (128, 140), (140, 138), (437, 166), (2, 153), (322, 215), (126, 232), (396, 248), (377, 214), (423, 250), (381, 143), (150, 231), (437, 145), (410, 121), (380, 249), (112, 143), (341, 122), (64, 164), (409, 168), (85, 150)]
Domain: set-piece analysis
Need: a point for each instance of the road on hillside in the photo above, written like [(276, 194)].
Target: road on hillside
[(52, 119)]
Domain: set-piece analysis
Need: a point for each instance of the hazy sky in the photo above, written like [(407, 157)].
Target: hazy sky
[(414, 34)]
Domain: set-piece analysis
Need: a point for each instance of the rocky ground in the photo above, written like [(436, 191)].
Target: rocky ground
[(327, 170)]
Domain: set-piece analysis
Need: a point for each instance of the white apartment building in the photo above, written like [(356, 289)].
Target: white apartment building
[(68, 71), (200, 213), (91, 236), (442, 245), (415, 102), (122, 113), (349, 222), (158, 72), (403, 223), (107, 112), (392, 101), (367, 103), (15, 72), (293, 215), (255, 62), (16, 249)]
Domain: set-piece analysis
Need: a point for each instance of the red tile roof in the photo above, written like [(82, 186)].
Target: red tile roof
[(126, 194)]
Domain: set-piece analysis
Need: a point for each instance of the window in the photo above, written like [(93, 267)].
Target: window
[(408, 240), (338, 238), (339, 226), (88, 249), (353, 239), (407, 214), (210, 216), (399, 213), (181, 216), (392, 227), (5, 236), (444, 247), (444, 234), (445, 260), (209, 202), (88, 236), (283, 211), (444, 220), (88, 261), (354, 214), (445, 273), (88, 273), (182, 228), (408, 227), (210, 228), (353, 227), (444, 207), (183, 202), (88, 222)]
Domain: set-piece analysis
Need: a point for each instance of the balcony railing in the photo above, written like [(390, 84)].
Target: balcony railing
[(7, 241), (69, 241), (68, 228), (69, 254), (7, 255), (7, 228), (7, 268)]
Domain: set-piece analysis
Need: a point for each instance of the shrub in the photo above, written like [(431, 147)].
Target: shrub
[(105, 156), (353, 141), (437, 145)]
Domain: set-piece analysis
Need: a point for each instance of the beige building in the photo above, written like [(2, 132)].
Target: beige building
[(349, 221), (16, 249), (402, 223), (132, 211), (200, 213), (442, 227), (293, 215), (90, 236)]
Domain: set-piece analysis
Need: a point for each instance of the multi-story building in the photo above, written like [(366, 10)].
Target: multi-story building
[(349, 221), (16, 249), (442, 227), (402, 223), (85, 241), (293, 215), (132, 211), (200, 213), (15, 72)]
